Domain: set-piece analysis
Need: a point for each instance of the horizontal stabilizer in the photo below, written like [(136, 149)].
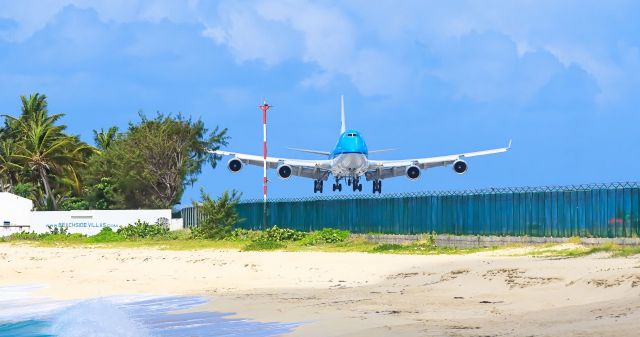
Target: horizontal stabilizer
[(384, 150), (323, 153)]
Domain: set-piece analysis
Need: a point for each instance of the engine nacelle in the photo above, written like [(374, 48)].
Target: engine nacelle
[(413, 172), (460, 166), (284, 171), (234, 165)]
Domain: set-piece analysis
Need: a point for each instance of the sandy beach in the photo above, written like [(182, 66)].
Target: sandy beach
[(357, 294)]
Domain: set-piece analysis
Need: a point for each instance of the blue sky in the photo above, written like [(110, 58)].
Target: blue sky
[(560, 78)]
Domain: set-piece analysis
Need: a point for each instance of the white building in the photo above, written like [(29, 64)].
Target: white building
[(15, 213)]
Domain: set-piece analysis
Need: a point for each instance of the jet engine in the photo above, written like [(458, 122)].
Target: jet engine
[(460, 166), (413, 172), (284, 171), (234, 165)]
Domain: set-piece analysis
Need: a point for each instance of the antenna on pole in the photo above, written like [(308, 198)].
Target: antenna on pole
[(343, 127), (264, 107)]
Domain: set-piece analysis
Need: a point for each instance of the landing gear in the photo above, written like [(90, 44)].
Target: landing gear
[(349, 182), (317, 186), (337, 186), (356, 185), (377, 186)]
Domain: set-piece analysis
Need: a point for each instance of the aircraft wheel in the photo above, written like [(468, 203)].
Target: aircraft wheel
[(377, 186), (340, 187)]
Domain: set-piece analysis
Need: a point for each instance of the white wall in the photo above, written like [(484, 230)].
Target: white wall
[(91, 222), (14, 210)]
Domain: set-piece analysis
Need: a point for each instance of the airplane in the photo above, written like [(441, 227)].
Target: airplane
[(349, 161)]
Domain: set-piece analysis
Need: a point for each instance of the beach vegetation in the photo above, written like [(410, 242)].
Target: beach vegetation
[(241, 234), (326, 235), (106, 234), (218, 216), (261, 244), (143, 230), (58, 230), (576, 250), (277, 234)]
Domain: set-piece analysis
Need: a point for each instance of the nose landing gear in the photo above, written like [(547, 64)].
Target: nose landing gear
[(337, 186), (356, 185)]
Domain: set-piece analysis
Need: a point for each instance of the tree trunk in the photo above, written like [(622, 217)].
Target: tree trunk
[(47, 188)]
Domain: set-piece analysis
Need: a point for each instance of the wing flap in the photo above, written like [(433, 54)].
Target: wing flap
[(316, 169), (394, 168)]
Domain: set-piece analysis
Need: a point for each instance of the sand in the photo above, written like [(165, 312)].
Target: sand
[(354, 294)]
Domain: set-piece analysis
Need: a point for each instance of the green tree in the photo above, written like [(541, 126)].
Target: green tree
[(103, 195), (218, 216), (43, 147), (151, 162), (104, 139), (24, 190), (8, 167)]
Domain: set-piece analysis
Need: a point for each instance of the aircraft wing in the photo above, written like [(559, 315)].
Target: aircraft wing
[(314, 169), (393, 168)]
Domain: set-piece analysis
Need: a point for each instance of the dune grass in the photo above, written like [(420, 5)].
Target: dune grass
[(350, 245), (276, 239), (577, 250)]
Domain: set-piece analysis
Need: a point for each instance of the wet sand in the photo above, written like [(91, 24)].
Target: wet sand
[(354, 294)]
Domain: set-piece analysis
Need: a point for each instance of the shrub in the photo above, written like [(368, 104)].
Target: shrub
[(74, 203), (58, 230), (258, 245), (218, 216), (142, 230), (277, 234), (182, 234), (61, 237), (106, 234), (326, 235), (241, 234), (24, 235)]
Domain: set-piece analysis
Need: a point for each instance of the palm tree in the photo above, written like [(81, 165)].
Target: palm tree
[(8, 167), (104, 139), (43, 146)]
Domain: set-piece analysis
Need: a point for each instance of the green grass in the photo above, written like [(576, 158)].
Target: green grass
[(351, 245), (579, 251), (182, 240)]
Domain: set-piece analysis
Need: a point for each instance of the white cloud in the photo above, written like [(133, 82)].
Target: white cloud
[(369, 42), (33, 15)]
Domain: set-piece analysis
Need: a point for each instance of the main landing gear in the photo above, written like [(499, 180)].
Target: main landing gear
[(377, 186), (317, 186)]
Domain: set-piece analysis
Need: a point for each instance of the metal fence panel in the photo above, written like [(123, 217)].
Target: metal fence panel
[(598, 210)]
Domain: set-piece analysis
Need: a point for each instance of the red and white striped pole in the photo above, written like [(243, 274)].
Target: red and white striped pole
[(264, 107)]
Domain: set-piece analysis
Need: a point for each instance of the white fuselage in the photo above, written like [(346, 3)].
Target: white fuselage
[(349, 165)]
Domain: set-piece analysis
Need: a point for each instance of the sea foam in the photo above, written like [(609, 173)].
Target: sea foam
[(97, 318)]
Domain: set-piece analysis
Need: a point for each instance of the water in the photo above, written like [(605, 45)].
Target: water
[(124, 316)]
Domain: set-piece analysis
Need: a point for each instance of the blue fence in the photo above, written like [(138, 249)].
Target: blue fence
[(596, 210)]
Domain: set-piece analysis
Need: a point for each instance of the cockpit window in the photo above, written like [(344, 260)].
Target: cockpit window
[(351, 135)]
